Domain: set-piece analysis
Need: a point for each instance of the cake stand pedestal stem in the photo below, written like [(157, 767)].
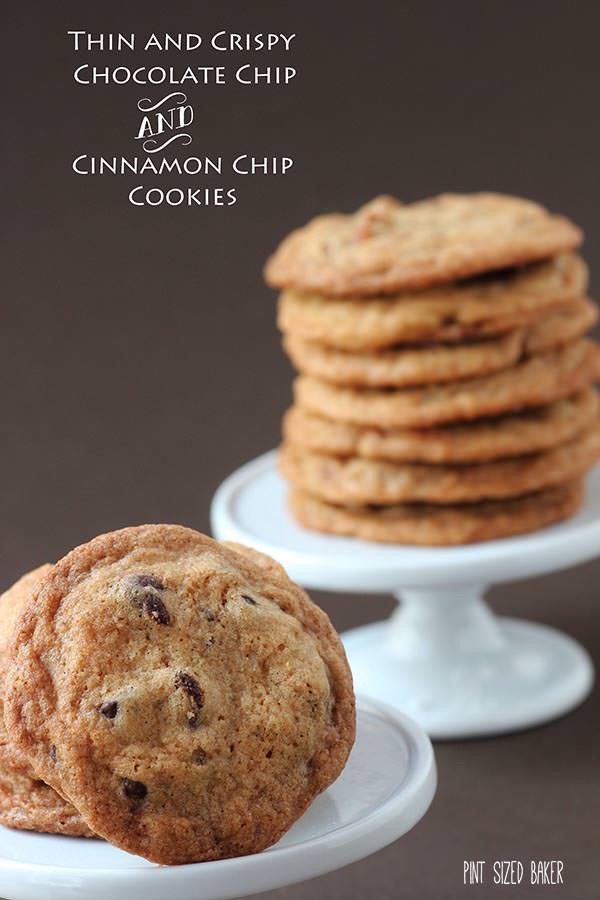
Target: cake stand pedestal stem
[(442, 623)]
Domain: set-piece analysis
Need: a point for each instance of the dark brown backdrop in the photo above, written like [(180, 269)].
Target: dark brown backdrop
[(140, 362)]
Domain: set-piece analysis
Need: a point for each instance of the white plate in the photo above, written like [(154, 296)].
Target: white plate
[(386, 787)]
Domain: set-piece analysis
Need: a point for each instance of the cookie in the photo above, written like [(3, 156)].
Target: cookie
[(406, 367), (534, 382), (512, 435), (14, 599), (270, 565), (190, 702), (29, 804), (25, 801), (387, 246), (439, 526), (479, 308), (561, 326), (366, 481)]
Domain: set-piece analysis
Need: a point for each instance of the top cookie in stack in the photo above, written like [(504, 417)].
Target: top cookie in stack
[(445, 390)]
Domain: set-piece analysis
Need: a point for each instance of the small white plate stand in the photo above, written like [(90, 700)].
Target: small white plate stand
[(386, 787), (443, 658)]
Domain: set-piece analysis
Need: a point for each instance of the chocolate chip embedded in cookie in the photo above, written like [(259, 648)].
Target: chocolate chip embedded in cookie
[(387, 246), (366, 481), (512, 435), (188, 700), (476, 308), (25, 801), (439, 526), (541, 379)]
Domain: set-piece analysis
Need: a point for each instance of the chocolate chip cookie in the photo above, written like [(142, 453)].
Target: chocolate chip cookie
[(534, 382), (439, 526), (366, 481), (188, 700), (477, 308), (498, 438), (437, 363), (25, 801), (388, 246)]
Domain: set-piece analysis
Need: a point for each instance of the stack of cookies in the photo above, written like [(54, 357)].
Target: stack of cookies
[(445, 384), (181, 698)]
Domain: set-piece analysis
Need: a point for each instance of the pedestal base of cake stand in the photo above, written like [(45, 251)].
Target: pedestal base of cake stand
[(459, 670), (443, 658)]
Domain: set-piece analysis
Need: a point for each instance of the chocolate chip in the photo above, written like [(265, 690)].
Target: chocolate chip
[(150, 581), (148, 602), (135, 790), (153, 606), (269, 754), (199, 757), (210, 641), (109, 709), (191, 687), (189, 684), (249, 600), (208, 614)]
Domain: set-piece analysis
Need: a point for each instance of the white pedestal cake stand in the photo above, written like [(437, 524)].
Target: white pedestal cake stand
[(443, 658), (386, 787)]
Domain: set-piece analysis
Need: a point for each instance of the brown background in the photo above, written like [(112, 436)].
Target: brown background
[(140, 362)]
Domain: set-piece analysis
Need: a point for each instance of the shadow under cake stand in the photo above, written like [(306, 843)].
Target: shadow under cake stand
[(386, 787), (443, 657)]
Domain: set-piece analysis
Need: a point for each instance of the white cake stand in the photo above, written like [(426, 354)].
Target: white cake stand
[(386, 787), (443, 658)]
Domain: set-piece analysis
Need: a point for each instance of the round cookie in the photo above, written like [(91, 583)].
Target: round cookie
[(270, 565), (14, 599), (534, 382), (439, 526), (189, 701), (479, 308), (366, 481), (406, 367), (29, 804), (513, 435), (387, 246), (562, 325), (25, 801)]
